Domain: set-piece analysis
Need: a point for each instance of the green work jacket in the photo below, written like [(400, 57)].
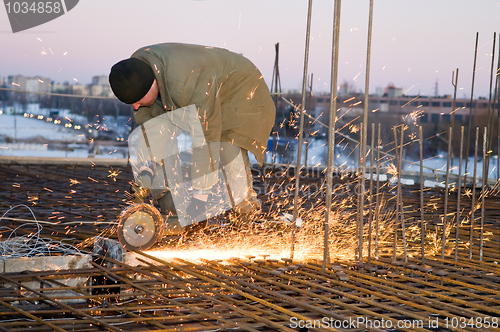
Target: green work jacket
[(232, 98)]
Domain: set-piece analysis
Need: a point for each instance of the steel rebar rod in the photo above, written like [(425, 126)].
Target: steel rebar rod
[(218, 268), (497, 92), (493, 114), (454, 83), (396, 223), (396, 287), (446, 192), (400, 196), (223, 283), (422, 219), (473, 202), (360, 194), (362, 280), (457, 276), (157, 294), (435, 306), (483, 191), (236, 284), (301, 129), (388, 155), (365, 128), (308, 131), (331, 129), (342, 294), (172, 278), (459, 193), (471, 103), (490, 108), (276, 88), (31, 316), (370, 197), (467, 283), (63, 306), (429, 294), (377, 194)]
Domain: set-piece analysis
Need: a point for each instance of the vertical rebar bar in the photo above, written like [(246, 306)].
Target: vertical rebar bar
[(301, 129), (377, 193), (493, 114), (459, 190), (483, 191), (454, 83), (360, 194), (274, 87), (331, 129), (370, 197), (395, 239), (422, 223), (497, 91), (490, 111), (400, 196), (308, 131), (365, 118), (446, 191), (470, 110), (473, 203)]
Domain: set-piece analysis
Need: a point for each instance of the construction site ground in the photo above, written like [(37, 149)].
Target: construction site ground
[(75, 201)]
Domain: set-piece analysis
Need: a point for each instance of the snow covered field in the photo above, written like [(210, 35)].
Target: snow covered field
[(65, 142), (23, 128)]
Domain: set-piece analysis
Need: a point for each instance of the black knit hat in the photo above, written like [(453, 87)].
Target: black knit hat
[(131, 79)]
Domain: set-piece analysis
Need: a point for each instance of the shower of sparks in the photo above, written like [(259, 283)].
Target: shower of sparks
[(270, 233)]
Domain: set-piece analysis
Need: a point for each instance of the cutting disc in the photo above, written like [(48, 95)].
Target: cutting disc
[(139, 227)]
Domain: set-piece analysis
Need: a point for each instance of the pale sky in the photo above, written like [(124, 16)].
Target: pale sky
[(414, 43)]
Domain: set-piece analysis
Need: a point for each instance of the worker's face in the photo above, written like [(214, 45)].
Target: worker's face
[(149, 99)]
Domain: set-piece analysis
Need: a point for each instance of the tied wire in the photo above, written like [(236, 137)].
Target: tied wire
[(33, 244)]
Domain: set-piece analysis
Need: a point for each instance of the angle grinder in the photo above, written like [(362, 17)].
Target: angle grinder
[(139, 226)]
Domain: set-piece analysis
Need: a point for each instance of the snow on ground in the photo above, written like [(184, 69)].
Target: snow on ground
[(439, 163), (21, 127), (71, 143)]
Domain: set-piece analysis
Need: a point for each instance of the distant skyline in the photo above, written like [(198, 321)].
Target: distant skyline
[(415, 43)]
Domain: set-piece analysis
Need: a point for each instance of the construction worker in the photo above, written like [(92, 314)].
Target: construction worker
[(233, 105)]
